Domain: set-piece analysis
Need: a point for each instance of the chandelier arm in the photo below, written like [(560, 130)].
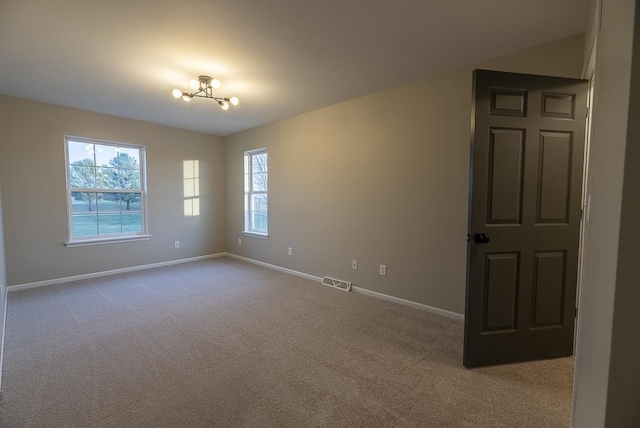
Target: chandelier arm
[(205, 90)]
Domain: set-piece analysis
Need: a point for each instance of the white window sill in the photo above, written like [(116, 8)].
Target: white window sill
[(255, 234), (112, 240)]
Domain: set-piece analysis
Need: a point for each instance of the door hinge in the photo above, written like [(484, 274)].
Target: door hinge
[(587, 116), (576, 315)]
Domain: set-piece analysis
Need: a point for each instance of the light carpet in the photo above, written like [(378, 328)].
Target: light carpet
[(223, 343)]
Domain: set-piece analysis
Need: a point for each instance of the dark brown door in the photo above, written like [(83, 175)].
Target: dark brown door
[(526, 183)]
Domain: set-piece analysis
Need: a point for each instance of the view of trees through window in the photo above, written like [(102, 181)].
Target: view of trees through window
[(105, 189), (256, 191)]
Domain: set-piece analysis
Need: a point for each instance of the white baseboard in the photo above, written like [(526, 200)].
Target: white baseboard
[(398, 300), (275, 267), (4, 331), (405, 302), (110, 272), (394, 299)]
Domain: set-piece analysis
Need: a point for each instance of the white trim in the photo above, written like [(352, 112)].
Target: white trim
[(274, 267), (382, 296), (99, 241), (110, 272), (393, 299), (4, 332), (143, 187), (410, 303), (249, 192), (255, 234)]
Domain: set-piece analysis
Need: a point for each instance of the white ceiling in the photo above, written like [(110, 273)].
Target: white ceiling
[(280, 57)]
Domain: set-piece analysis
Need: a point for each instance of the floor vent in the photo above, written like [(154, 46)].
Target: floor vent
[(337, 283)]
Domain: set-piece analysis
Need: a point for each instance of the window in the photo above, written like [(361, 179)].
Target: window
[(256, 186), (105, 191)]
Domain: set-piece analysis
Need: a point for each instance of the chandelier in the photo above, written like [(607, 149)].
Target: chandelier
[(203, 88)]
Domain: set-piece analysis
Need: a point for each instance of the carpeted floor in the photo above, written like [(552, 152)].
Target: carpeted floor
[(223, 343)]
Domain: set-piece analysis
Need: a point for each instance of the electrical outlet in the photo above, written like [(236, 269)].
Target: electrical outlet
[(176, 244), (383, 270), (239, 241), (354, 264), (290, 251)]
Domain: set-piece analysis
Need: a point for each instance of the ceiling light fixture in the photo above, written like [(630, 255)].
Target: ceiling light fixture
[(203, 88)]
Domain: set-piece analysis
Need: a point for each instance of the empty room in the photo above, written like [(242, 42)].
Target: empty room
[(296, 213)]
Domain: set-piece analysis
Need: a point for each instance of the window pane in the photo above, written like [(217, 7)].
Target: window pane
[(114, 178), (82, 202), (109, 224), (108, 178), (259, 221), (129, 157), (130, 179), (131, 222), (259, 202), (260, 182), (127, 161), (81, 176), (108, 202), (259, 162), (84, 225), (106, 155), (80, 151), (130, 201)]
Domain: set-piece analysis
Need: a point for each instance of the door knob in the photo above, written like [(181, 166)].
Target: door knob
[(481, 238)]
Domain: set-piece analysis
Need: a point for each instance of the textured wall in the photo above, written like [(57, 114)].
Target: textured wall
[(34, 195), (381, 178)]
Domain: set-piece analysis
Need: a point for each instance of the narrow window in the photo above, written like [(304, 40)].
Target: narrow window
[(256, 186), (105, 191)]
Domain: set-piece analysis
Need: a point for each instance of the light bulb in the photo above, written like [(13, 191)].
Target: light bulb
[(186, 97), (177, 93), (194, 84), (224, 105), (234, 101), (215, 83)]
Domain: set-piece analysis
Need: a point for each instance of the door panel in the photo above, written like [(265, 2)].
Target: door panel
[(501, 291), (554, 174), (549, 273), (526, 178), (506, 154)]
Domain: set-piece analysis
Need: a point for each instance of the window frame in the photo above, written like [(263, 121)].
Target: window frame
[(249, 192), (107, 238)]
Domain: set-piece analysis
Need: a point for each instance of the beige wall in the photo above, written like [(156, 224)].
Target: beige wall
[(623, 394), (382, 179), (34, 198), (607, 372), (3, 287)]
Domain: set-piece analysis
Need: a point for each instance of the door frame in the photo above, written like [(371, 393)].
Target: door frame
[(590, 75)]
